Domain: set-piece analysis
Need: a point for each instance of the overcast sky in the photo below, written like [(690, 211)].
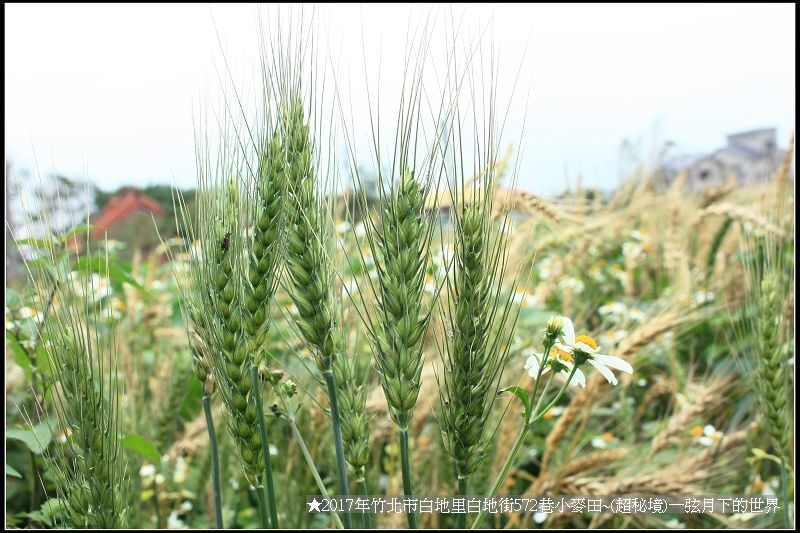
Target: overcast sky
[(109, 92)]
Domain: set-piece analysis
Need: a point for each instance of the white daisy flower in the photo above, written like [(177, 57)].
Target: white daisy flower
[(703, 297), (31, 313), (586, 346), (632, 251), (613, 308), (430, 285), (710, 436), (29, 344), (181, 470), (535, 362), (342, 227), (174, 522), (524, 298), (571, 284), (549, 268), (602, 441), (766, 488), (637, 315), (596, 274)]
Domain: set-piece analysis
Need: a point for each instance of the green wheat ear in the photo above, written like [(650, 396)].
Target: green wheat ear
[(266, 247), (478, 315), (219, 350), (471, 363), (233, 361), (310, 269), (307, 259), (79, 338), (772, 363), (766, 331), (402, 245), (352, 397)]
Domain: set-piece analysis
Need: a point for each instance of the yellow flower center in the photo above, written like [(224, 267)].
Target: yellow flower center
[(758, 485), (548, 415), (697, 431), (608, 437), (587, 340), (563, 355)]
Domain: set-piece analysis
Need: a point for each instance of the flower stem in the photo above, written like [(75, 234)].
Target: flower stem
[(212, 441), (269, 487), (337, 438), (311, 465), (406, 467), (537, 413)]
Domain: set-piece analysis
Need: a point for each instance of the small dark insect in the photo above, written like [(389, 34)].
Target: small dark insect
[(226, 242), (275, 410)]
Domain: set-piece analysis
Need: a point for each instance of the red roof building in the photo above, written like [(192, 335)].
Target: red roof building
[(119, 207)]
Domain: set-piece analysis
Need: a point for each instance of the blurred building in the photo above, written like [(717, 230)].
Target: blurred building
[(750, 156), (127, 217)]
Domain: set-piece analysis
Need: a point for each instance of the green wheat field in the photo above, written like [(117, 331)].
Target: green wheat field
[(429, 329)]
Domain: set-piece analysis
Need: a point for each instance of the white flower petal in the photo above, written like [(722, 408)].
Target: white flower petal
[(533, 364), (563, 347), (608, 374), (614, 362), (568, 331), (579, 378)]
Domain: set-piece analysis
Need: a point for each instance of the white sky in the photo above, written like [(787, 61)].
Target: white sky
[(109, 92)]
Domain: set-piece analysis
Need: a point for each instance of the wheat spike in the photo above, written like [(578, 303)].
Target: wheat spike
[(592, 460), (740, 214), (702, 397)]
